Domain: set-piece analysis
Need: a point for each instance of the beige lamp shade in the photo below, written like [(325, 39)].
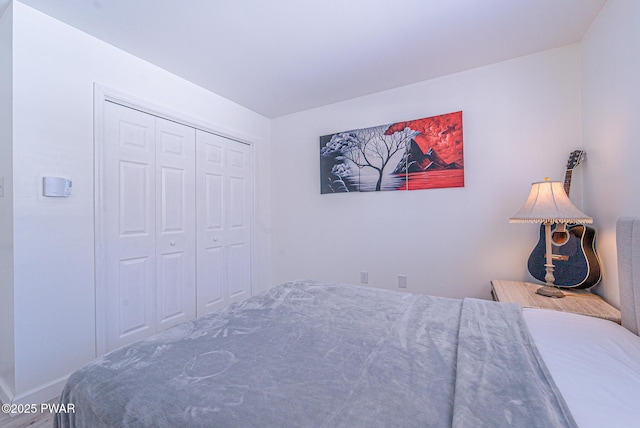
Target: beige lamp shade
[(548, 203)]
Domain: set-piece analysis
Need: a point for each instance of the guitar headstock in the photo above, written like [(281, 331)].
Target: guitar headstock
[(575, 158)]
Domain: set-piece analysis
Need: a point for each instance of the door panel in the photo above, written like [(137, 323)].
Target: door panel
[(214, 217), (172, 302), (175, 223), (134, 188), (211, 279), (129, 224), (239, 270), (132, 273), (236, 202), (211, 293), (239, 223), (172, 181), (211, 219)]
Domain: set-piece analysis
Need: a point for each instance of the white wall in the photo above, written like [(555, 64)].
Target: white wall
[(55, 67), (611, 126), (7, 381), (521, 121)]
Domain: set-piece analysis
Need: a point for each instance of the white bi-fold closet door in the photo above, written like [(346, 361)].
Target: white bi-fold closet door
[(175, 223), (223, 198)]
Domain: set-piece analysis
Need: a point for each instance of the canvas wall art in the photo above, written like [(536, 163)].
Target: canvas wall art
[(419, 154)]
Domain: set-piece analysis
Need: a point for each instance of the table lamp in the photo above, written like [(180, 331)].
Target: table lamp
[(549, 204)]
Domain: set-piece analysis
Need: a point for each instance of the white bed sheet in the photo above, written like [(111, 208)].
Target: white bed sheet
[(595, 364)]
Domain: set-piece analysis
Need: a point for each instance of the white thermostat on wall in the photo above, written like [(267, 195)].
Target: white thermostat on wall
[(56, 186)]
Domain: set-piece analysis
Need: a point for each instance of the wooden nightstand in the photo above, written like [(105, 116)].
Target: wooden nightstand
[(577, 301)]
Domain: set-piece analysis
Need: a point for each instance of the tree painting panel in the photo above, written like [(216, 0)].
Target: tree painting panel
[(419, 154)]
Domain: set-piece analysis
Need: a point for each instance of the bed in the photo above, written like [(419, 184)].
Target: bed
[(317, 354)]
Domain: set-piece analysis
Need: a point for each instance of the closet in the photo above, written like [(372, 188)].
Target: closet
[(175, 223)]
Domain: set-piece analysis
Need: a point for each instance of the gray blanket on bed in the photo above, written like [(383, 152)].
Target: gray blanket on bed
[(310, 354)]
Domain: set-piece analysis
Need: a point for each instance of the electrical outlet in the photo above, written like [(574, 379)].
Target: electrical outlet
[(364, 277), (402, 281)]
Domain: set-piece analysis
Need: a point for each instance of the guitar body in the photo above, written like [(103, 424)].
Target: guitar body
[(576, 262)]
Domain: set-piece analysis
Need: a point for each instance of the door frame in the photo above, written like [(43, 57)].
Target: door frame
[(101, 95)]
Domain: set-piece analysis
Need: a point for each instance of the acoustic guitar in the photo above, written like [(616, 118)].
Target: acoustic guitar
[(573, 247)]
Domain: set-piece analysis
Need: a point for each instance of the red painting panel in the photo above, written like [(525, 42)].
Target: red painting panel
[(435, 155)]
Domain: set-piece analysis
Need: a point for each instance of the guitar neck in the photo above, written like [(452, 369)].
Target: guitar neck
[(567, 181)]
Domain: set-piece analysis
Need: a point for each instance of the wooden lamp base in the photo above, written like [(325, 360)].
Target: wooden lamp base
[(549, 291)]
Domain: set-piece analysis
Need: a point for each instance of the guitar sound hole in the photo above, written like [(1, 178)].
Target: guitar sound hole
[(559, 238)]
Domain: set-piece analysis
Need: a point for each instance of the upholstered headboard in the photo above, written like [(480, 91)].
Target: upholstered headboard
[(628, 243)]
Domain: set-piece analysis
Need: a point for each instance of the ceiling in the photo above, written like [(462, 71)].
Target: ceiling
[(277, 57)]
